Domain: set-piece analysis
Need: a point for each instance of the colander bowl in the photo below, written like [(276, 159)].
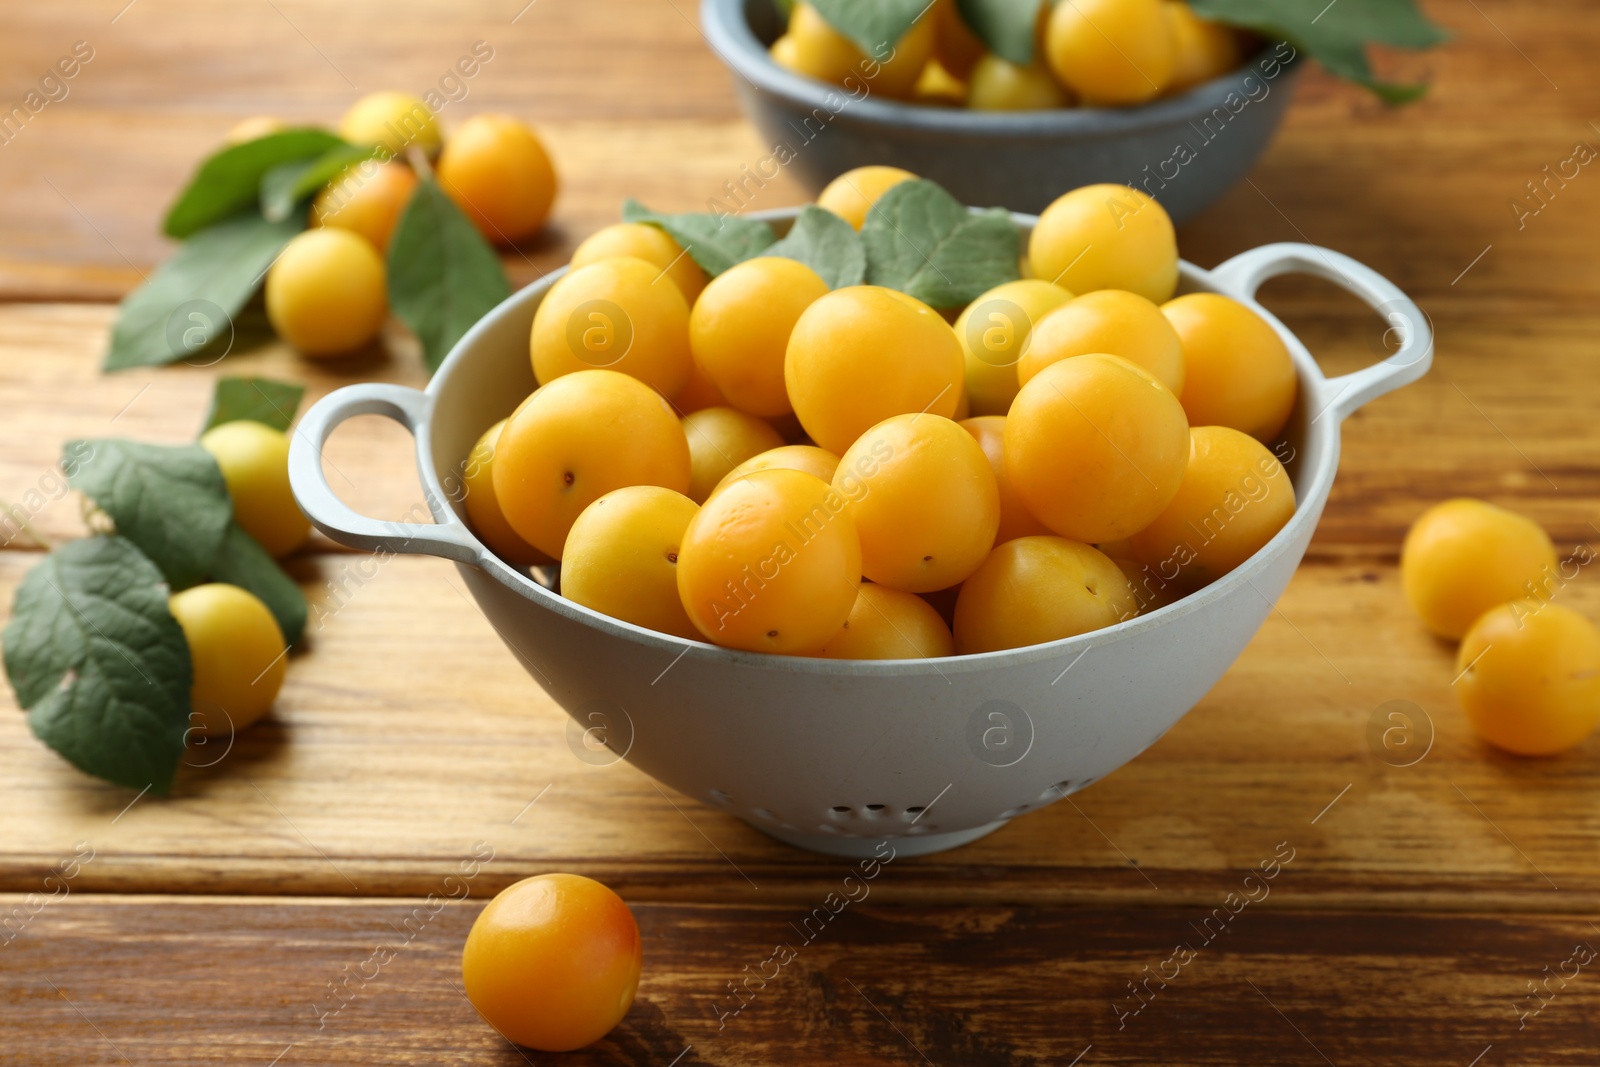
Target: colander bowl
[(1173, 148), (838, 756)]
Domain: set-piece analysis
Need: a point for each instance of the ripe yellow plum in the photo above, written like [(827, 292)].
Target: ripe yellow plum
[(1114, 321), (1037, 589), (811, 46), (254, 459), (955, 46), (699, 393), (613, 315), (621, 558), (938, 87), (393, 120), (1201, 49), (1122, 548), (828, 59), (1234, 498), (816, 49), (888, 624), (1530, 677), (771, 563), (483, 510), (719, 440), (1111, 51), (863, 354), (367, 199), (497, 171), (1462, 557), (577, 439), (1106, 237), (1015, 518), (924, 500), (552, 962), (995, 332), (649, 243), (852, 194), (238, 655), (1126, 437), (1150, 589), (818, 462), (325, 292), (999, 85), (1237, 370), (739, 329)]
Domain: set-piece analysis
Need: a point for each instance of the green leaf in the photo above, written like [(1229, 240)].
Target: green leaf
[(286, 185), (263, 400), (1006, 26), (716, 242), (243, 562), (443, 276), (785, 7), (922, 241), (827, 244), (100, 663), (186, 309), (230, 180), (1396, 92), (1336, 34), (169, 500), (876, 26)]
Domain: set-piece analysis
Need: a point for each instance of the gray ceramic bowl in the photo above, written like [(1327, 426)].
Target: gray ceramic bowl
[(846, 756), (1186, 151)]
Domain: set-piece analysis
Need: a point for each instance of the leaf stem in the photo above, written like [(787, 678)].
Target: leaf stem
[(94, 516), (419, 161)]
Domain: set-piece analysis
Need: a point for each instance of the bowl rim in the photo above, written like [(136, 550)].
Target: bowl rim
[(1313, 388), (725, 27)]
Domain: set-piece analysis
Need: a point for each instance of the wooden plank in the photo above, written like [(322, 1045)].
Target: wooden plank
[(394, 752), (115, 980), (628, 96), (49, 376), (395, 746), (92, 241), (1470, 428), (634, 103)]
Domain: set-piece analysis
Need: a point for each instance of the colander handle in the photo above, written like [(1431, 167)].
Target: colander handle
[(1245, 273), (446, 537)]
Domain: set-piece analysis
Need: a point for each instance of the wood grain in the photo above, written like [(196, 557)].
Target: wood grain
[(635, 104), (1422, 899), (626, 94), (875, 985), (1468, 429), (392, 750)]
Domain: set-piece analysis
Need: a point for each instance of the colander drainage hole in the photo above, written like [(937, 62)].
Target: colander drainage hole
[(911, 813), (1012, 813), (839, 810), (873, 811), (718, 796), (763, 813)]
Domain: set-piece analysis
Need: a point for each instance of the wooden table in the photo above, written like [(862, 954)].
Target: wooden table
[(230, 922)]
